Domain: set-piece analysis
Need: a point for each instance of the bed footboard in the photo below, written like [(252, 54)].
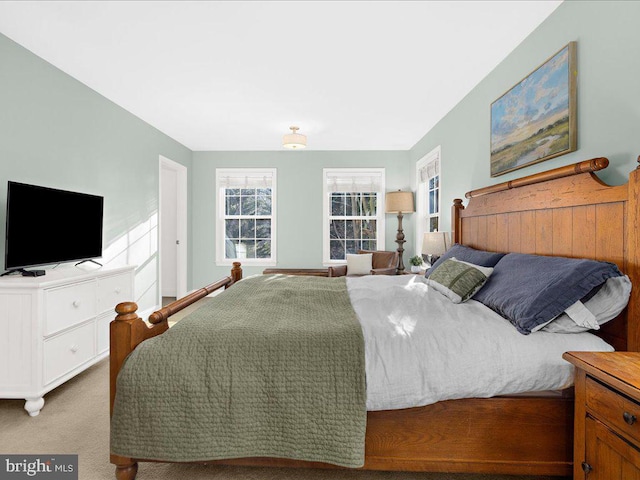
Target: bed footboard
[(128, 330)]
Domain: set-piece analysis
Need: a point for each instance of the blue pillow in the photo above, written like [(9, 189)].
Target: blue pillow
[(530, 290), (468, 254)]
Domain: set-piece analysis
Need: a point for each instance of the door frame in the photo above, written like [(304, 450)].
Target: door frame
[(181, 225)]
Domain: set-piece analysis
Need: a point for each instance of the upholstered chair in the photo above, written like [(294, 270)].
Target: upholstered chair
[(382, 263)]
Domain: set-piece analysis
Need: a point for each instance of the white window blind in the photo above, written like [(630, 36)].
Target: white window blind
[(246, 180), (430, 170), (351, 181)]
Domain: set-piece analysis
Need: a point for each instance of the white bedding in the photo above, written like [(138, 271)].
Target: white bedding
[(421, 348)]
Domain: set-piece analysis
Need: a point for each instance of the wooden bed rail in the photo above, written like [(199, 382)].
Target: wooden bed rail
[(174, 307), (585, 166), (128, 330)]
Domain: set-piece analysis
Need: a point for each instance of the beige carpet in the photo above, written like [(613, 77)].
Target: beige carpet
[(75, 420)]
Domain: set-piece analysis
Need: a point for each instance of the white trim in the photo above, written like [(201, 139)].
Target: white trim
[(181, 226), (380, 208), (421, 196), (221, 173)]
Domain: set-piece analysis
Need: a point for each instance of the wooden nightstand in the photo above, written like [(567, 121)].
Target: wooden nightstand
[(607, 415)]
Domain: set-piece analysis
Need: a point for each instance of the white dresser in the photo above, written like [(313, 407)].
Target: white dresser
[(55, 326)]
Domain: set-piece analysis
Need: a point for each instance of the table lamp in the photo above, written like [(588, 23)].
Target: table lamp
[(434, 244)]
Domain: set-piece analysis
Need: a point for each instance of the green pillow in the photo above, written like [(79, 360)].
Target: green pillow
[(458, 280)]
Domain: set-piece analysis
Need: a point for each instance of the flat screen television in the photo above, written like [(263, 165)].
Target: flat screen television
[(47, 226)]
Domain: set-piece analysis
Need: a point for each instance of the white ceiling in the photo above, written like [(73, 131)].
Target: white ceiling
[(234, 75)]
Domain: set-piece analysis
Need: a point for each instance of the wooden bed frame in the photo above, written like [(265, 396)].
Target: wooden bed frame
[(567, 211)]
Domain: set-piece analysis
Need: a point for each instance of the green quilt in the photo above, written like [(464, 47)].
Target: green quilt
[(272, 367)]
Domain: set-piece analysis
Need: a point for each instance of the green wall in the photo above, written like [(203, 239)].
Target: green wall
[(299, 207), (608, 125), (608, 88), (57, 132)]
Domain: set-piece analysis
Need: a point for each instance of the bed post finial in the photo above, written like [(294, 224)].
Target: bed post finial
[(236, 272), (126, 311), (456, 230)]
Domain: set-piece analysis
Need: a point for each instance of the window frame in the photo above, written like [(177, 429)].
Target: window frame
[(326, 209), (423, 216), (221, 216)]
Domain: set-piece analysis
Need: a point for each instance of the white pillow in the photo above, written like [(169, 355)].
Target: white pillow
[(605, 305), (359, 264), (582, 316)]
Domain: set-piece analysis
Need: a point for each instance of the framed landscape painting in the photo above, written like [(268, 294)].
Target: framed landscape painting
[(536, 119)]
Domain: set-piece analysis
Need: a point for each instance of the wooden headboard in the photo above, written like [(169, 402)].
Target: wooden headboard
[(565, 212)]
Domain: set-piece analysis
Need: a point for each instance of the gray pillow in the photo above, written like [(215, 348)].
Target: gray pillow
[(605, 305), (530, 290), (467, 254)]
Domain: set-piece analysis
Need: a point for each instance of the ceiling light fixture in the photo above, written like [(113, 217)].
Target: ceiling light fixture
[(294, 140)]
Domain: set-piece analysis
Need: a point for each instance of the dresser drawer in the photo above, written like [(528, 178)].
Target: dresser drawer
[(69, 305), (67, 351), (613, 409), (102, 332), (112, 291)]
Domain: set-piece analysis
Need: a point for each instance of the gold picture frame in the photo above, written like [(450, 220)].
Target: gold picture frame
[(535, 120)]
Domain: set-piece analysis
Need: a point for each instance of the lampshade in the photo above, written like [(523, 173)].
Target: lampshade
[(294, 139), (399, 202), (434, 243)]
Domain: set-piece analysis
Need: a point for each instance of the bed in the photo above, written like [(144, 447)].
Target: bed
[(566, 212)]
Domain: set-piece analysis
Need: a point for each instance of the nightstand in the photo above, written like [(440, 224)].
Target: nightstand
[(607, 415)]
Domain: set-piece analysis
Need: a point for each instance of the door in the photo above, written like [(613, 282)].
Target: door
[(609, 457), (173, 235)]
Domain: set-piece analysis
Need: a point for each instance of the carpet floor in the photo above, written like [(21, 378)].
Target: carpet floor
[(75, 420)]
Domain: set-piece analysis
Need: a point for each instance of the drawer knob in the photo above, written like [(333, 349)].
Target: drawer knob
[(76, 303), (74, 348), (629, 418), (117, 291), (586, 468)]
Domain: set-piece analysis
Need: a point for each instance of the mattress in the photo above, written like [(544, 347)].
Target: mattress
[(420, 348)]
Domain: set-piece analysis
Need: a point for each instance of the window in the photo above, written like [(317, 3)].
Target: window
[(433, 201), (246, 216), (428, 195), (353, 217)]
